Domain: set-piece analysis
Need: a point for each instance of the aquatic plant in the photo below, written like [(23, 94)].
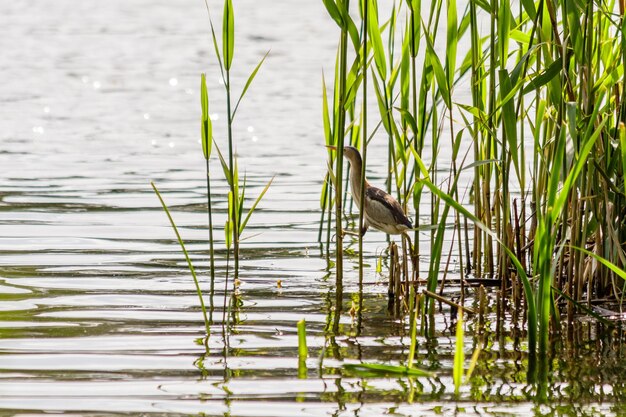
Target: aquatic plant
[(237, 219), (303, 351), (543, 141), (207, 145)]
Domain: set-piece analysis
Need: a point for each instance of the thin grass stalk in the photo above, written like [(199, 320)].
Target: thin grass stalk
[(233, 188), (451, 48), (364, 54), (340, 112), (491, 148), (303, 351), (415, 17), (207, 139)]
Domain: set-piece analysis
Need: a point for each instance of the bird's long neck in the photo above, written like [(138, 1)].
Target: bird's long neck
[(355, 180)]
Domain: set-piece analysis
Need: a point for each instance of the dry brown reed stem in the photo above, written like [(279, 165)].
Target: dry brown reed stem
[(449, 302)]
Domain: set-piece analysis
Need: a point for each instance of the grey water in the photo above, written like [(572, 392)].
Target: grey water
[(98, 312)]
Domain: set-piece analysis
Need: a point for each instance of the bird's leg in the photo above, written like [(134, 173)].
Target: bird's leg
[(366, 225), (349, 232)]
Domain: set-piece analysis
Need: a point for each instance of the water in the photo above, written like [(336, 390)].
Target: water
[(99, 315)]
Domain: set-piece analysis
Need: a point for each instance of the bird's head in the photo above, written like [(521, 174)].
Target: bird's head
[(351, 153)]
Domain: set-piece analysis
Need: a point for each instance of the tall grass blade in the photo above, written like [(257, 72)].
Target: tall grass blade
[(207, 127), (254, 205), (376, 39), (228, 34), (187, 258), (248, 82), (452, 41)]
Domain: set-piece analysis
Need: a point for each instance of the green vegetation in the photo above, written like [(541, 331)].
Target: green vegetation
[(237, 217), (539, 146), (236, 221), (303, 351), (546, 79)]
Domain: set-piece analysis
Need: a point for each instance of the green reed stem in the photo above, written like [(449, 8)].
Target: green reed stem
[(303, 351), (364, 54), (207, 141), (340, 112)]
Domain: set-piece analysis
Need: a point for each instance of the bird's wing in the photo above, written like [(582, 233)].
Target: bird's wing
[(385, 208)]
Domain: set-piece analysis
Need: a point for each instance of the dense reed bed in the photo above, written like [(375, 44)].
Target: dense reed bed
[(535, 160)]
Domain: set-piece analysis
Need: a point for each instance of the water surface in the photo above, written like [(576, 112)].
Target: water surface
[(99, 315)]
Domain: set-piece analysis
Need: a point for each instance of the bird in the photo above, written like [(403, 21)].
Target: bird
[(381, 210)]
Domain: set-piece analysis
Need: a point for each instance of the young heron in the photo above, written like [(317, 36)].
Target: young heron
[(381, 210)]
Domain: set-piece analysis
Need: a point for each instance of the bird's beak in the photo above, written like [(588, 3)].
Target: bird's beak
[(332, 148)]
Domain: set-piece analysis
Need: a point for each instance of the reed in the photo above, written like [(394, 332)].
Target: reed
[(207, 145), (237, 218), (303, 351), (540, 144)]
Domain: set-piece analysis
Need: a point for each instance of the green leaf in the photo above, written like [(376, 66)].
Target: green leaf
[(353, 81), (485, 5), (419, 162), (214, 38), (224, 166), (206, 125), (452, 41), (324, 194), (529, 7), (617, 270), (333, 11), (509, 120), (248, 82), (256, 203), (519, 36), (409, 119), (376, 39), (479, 163), (328, 135), (228, 33), (472, 364), (440, 74), (578, 166), (504, 23), (353, 32), (545, 77), (405, 72), (415, 18), (382, 106)]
